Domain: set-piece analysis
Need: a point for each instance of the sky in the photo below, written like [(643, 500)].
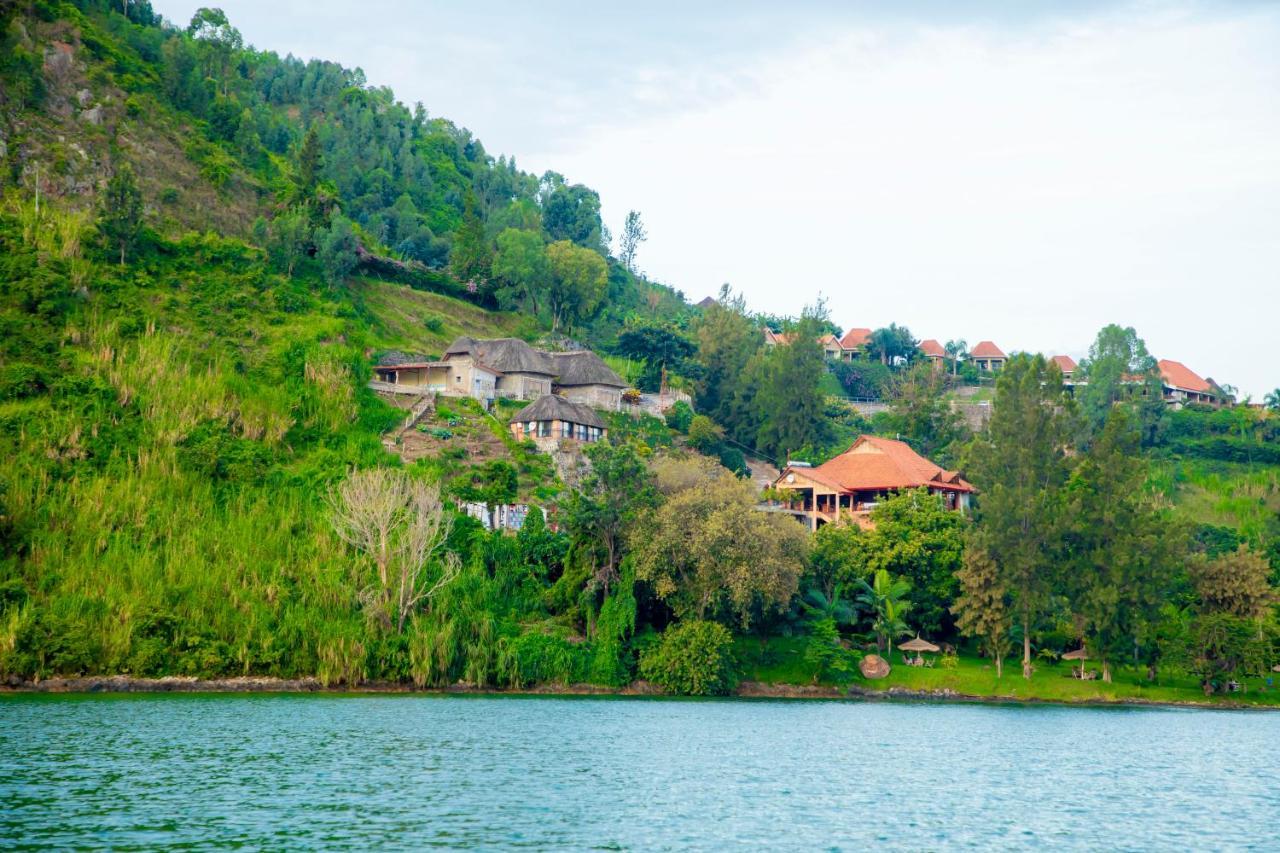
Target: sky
[(965, 170)]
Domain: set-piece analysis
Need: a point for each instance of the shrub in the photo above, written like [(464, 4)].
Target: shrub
[(692, 659), (433, 324), (680, 416)]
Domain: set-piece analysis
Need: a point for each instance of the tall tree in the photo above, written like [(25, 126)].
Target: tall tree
[(1020, 467), (727, 339), (885, 601), (522, 269), (577, 282), (788, 398), (1236, 583), (957, 350), (892, 344), (659, 348), (472, 257), (982, 608), (633, 234), (617, 492), (336, 248), (219, 42), (1119, 369), (120, 212), (309, 162), (1120, 562)]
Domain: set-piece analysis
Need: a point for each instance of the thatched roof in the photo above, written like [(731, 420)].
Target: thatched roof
[(1078, 654), (553, 407), (509, 355), (584, 368), (918, 645), (394, 357)]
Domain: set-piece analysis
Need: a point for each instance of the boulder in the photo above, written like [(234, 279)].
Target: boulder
[(874, 666)]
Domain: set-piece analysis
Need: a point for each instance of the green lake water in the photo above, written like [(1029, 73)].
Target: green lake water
[(406, 772)]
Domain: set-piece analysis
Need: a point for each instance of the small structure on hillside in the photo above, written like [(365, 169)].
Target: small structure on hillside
[(935, 352), (1068, 366), (849, 486), (551, 419), (526, 373), (854, 344), (583, 377), (405, 373), (1183, 385), (988, 357)]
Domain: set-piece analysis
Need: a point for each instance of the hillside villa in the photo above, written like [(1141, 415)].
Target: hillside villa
[(508, 368), (935, 353), (847, 487), (1183, 385), (987, 357), (1067, 365)]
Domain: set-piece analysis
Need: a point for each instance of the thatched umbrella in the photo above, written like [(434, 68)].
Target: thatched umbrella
[(1079, 654), (918, 645)]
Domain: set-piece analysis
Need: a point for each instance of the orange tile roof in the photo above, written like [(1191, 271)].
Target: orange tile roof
[(873, 463), (1178, 375), (855, 338), (772, 337), (1065, 363), (986, 349), (933, 349)]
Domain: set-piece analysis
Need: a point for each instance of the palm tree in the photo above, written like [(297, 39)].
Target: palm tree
[(817, 606), (1272, 400), (957, 350), (885, 601)]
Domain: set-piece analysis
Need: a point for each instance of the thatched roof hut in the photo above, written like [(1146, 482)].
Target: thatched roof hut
[(918, 645)]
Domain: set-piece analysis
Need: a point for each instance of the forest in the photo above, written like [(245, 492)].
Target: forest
[(205, 247)]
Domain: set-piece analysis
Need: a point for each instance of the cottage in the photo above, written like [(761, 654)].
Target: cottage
[(418, 375), (854, 343), (524, 372), (773, 339), (1183, 385), (831, 348), (1067, 365), (583, 377), (935, 353), (988, 357), (849, 486), (552, 418)]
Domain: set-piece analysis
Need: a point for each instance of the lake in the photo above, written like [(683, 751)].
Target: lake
[(405, 771)]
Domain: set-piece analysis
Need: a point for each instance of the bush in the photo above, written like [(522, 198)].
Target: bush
[(692, 659), (680, 416)]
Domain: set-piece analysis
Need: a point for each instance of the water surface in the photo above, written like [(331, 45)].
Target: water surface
[(371, 772)]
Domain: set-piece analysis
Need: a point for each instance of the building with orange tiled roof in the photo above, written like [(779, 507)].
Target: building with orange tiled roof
[(848, 486), (1067, 365), (1183, 385), (987, 356), (935, 352)]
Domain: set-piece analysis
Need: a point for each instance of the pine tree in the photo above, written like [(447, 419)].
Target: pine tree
[(982, 608), (472, 256), (1020, 467), (120, 217)]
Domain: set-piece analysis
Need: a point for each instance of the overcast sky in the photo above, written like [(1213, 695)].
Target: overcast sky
[(965, 171)]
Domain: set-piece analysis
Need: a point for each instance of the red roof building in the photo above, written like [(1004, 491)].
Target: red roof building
[(987, 356), (855, 338), (1067, 365), (935, 352), (1184, 385), (849, 485)]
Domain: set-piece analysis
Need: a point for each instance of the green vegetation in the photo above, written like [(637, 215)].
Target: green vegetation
[(196, 479)]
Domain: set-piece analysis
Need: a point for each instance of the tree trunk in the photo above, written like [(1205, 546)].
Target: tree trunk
[(1026, 647), (999, 665), (1106, 670)]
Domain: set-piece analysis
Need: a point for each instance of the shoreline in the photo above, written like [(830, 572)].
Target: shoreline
[(125, 684)]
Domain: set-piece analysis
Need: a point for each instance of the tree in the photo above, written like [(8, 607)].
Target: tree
[(892, 343), (1236, 583), (1119, 369), (885, 601), (840, 557), (957, 351), (1020, 467), (218, 41), (618, 491), (577, 282), (788, 400), (727, 339), (633, 234), (1119, 563), (500, 485), (521, 267), (922, 413), (571, 212), (708, 553), (917, 538), (982, 608), (287, 239), (705, 434), (336, 248), (400, 525), (1272, 400), (472, 257), (120, 214), (309, 163), (659, 348)]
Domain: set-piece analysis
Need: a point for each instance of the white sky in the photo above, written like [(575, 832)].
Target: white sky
[(964, 171)]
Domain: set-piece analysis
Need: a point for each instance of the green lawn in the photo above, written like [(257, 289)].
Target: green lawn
[(781, 661)]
